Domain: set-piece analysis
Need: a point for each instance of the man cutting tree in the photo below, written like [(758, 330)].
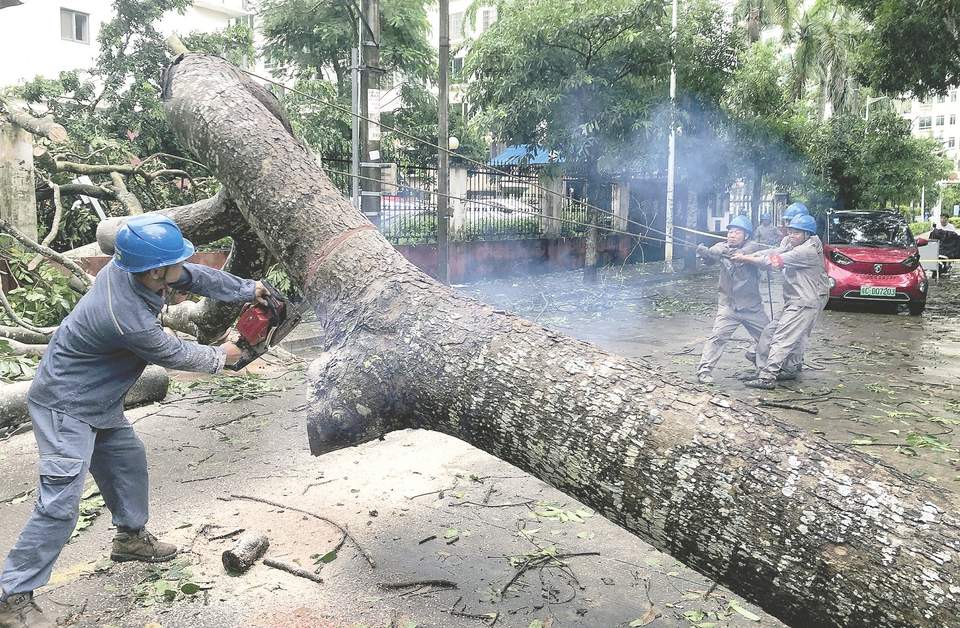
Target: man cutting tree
[(76, 402)]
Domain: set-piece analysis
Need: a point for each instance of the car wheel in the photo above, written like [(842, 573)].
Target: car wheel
[(916, 309)]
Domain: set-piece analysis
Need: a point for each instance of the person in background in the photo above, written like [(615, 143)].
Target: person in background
[(739, 302), (766, 232), (805, 293), (945, 223)]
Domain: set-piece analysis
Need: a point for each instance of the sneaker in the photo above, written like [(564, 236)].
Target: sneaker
[(141, 546), (704, 378), (787, 376), (20, 611), (746, 376), (763, 384)]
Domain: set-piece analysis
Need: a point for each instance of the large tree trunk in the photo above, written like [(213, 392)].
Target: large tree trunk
[(17, 202), (816, 534)]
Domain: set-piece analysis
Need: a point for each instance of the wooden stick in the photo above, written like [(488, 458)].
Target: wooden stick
[(343, 530), (443, 584), (292, 569), (247, 551), (57, 215)]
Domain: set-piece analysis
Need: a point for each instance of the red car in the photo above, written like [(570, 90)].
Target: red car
[(871, 256)]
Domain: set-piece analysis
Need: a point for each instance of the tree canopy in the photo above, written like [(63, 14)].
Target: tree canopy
[(911, 46)]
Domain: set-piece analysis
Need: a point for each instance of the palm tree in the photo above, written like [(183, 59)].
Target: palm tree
[(760, 14), (823, 40)]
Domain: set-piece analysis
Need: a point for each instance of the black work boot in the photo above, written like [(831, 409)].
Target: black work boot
[(20, 611), (787, 376), (141, 545)]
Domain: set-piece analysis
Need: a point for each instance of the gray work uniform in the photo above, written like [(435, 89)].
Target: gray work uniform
[(805, 293), (76, 405), (739, 302), (767, 234)]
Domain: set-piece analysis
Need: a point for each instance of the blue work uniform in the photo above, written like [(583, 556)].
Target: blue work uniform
[(76, 406)]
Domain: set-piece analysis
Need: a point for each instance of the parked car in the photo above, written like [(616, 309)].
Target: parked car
[(871, 256)]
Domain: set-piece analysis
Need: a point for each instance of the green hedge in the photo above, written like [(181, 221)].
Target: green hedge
[(923, 227)]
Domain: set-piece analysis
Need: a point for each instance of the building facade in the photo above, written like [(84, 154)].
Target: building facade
[(46, 37), (938, 117)]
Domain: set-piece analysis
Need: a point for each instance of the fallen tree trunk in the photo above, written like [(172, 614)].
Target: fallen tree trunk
[(816, 534), (152, 386), (248, 550)]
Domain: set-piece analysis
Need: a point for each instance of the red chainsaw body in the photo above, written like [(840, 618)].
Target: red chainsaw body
[(255, 324)]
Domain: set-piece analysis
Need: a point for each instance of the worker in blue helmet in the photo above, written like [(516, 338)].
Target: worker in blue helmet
[(76, 402), (739, 303), (767, 233), (792, 211), (805, 293)]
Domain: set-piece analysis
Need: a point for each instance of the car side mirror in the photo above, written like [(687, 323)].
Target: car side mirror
[(922, 242)]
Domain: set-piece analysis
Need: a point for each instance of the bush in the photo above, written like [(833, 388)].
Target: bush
[(920, 227), (44, 296)]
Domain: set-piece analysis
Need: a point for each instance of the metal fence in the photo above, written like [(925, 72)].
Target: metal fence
[(495, 204), (500, 204)]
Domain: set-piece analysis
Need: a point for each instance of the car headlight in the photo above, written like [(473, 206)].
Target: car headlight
[(912, 261), (923, 287), (840, 258)]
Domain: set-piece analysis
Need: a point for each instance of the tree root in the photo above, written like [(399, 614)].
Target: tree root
[(440, 584), (542, 561)]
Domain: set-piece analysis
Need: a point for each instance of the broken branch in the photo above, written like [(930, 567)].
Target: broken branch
[(292, 569)]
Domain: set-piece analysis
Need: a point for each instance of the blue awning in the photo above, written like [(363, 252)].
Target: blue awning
[(519, 154)]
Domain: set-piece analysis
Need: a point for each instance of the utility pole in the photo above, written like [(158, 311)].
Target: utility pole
[(355, 119), (671, 149), (370, 109), (443, 135)]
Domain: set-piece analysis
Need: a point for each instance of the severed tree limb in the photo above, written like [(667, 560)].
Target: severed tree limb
[(38, 126), (54, 227), (292, 569), (19, 348), (19, 334), (816, 534), (127, 198), (45, 192), (47, 252)]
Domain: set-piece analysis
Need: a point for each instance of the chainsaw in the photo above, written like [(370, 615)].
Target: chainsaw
[(261, 326)]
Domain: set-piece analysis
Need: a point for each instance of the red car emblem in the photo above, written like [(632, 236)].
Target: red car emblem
[(877, 268)]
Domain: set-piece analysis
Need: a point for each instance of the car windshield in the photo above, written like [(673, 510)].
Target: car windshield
[(869, 230)]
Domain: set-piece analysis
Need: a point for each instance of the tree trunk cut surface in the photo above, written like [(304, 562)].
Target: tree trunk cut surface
[(816, 534)]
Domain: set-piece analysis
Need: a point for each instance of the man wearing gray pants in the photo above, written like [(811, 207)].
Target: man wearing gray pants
[(76, 403), (739, 301), (805, 293)]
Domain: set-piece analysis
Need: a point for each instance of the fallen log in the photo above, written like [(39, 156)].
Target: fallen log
[(816, 534), (248, 550), (152, 386)]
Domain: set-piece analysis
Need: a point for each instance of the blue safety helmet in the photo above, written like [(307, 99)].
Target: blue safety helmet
[(150, 241), (794, 210), (804, 222), (743, 223), (764, 216)]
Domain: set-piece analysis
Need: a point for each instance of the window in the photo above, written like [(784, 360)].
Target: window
[(456, 26), (953, 96), (923, 122), (941, 99), (953, 119), (456, 67), (951, 142), (74, 26), (486, 19), (939, 120)]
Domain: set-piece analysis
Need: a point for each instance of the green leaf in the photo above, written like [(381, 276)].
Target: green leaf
[(329, 557), (744, 612), (451, 533), (189, 588), (536, 623)]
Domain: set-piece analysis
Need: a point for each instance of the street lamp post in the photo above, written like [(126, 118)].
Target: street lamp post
[(672, 146)]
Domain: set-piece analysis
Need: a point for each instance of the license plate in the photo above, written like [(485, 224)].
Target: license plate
[(874, 291)]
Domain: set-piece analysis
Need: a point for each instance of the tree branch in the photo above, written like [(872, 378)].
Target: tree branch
[(47, 252), (38, 126), (57, 215), (127, 198)]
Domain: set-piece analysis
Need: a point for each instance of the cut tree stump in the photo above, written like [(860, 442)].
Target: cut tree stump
[(815, 533)]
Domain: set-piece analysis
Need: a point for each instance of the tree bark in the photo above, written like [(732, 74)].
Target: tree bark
[(247, 551), (816, 534), (17, 202), (45, 126), (152, 386)]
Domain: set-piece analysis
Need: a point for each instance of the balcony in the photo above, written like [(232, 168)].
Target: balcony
[(229, 8)]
